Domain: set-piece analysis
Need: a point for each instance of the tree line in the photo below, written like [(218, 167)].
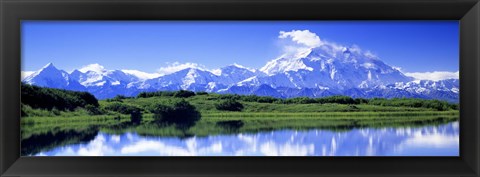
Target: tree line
[(49, 98), (230, 101)]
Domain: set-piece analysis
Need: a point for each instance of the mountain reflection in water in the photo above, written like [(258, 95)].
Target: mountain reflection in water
[(431, 140)]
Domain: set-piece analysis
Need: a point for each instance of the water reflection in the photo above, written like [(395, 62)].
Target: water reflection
[(39, 142), (434, 140)]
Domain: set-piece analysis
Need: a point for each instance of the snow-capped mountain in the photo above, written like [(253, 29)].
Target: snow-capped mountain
[(197, 79), (187, 79), (97, 75), (235, 73), (50, 76), (322, 71), (340, 70)]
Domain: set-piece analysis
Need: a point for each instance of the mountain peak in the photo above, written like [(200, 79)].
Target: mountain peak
[(235, 65), (49, 65), (284, 64), (75, 71), (48, 68)]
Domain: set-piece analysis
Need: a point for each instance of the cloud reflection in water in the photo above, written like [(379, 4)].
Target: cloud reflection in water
[(440, 140)]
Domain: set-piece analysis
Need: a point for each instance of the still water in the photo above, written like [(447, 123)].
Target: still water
[(431, 140)]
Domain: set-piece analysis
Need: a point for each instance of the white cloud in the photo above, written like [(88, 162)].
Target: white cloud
[(304, 37), (26, 74), (435, 75), (299, 42), (176, 66), (271, 148), (436, 140), (156, 147), (115, 138), (97, 147), (161, 148)]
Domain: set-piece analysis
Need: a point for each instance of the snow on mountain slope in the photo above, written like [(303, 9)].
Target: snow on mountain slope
[(141, 75), (199, 79), (97, 75), (336, 69), (235, 73), (420, 86), (333, 69), (25, 74), (186, 79), (50, 76)]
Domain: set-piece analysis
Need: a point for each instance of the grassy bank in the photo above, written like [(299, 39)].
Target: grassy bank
[(216, 124), (359, 115)]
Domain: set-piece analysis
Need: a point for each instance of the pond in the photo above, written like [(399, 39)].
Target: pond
[(428, 140)]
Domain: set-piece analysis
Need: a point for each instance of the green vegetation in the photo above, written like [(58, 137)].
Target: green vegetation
[(416, 103), (184, 94), (186, 103), (47, 98), (178, 94), (122, 108), (176, 112), (136, 117), (229, 105)]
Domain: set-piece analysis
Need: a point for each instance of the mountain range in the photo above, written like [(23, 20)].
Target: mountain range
[(318, 72)]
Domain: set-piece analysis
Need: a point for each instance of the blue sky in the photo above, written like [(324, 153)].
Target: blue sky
[(414, 46)]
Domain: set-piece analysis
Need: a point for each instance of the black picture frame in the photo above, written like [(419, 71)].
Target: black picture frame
[(13, 11)]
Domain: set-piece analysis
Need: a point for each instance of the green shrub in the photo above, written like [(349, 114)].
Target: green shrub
[(155, 94), (55, 111), (118, 98), (178, 112), (122, 108), (337, 99), (27, 111), (352, 108), (159, 109), (49, 98), (183, 94), (455, 106), (229, 105), (229, 96), (414, 102), (361, 101), (259, 99), (202, 93), (136, 117), (92, 110), (301, 100)]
